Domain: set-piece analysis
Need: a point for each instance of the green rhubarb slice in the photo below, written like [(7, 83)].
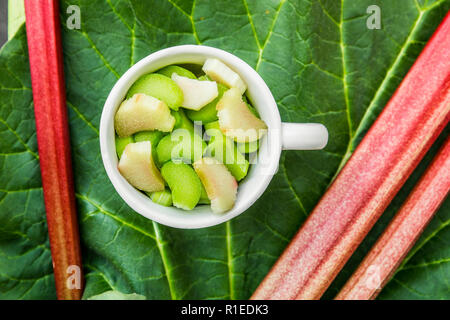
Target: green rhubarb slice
[(180, 145), (121, 143), (169, 70), (224, 150), (184, 184), (243, 147), (163, 198), (204, 197), (212, 125), (159, 87), (181, 121), (153, 136), (248, 147)]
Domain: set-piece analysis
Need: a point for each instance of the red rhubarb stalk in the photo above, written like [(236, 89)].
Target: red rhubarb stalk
[(46, 66), (401, 234), (394, 145)]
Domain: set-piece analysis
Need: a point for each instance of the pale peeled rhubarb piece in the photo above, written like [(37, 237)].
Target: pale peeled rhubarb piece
[(196, 93), (154, 137), (219, 184), (236, 120), (142, 113), (208, 113), (220, 72), (137, 167)]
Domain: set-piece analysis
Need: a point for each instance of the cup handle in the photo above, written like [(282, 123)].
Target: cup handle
[(303, 136)]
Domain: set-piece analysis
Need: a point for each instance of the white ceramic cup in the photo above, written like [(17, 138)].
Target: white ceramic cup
[(286, 136)]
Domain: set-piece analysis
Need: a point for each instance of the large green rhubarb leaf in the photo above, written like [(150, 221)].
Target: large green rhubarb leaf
[(322, 64)]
